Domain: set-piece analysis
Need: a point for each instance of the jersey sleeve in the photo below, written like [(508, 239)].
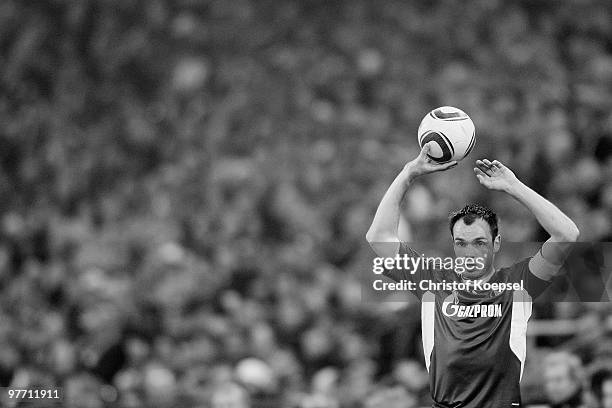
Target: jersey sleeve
[(411, 275), (533, 285)]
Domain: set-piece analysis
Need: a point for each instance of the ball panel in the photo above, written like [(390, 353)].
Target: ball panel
[(448, 113), (471, 145), (445, 151)]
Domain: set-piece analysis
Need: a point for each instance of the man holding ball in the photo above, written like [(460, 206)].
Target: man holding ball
[(475, 361)]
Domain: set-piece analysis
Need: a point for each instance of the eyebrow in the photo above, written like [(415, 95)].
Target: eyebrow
[(475, 239)]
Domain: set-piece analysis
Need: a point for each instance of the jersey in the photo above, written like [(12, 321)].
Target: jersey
[(474, 342)]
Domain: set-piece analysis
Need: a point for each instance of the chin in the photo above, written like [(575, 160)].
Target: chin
[(473, 274)]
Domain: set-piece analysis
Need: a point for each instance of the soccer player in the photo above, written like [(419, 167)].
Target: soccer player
[(475, 341)]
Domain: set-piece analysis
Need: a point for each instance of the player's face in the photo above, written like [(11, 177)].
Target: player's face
[(606, 391), (475, 241)]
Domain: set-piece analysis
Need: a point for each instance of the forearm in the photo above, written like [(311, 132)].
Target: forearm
[(384, 227), (558, 225)]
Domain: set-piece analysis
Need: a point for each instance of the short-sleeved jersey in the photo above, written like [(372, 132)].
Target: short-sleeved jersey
[(474, 342)]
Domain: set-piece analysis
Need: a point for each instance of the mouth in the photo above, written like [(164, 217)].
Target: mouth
[(474, 273)]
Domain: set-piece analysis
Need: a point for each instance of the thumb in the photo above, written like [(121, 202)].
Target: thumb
[(498, 164), (425, 150)]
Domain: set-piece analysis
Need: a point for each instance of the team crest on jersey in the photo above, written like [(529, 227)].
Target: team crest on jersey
[(453, 309)]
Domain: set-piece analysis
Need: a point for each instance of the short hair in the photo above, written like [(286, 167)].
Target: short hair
[(598, 379), (471, 213)]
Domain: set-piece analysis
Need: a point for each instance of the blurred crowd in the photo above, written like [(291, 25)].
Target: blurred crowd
[(186, 187)]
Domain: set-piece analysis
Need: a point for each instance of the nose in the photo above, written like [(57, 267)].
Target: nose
[(472, 252)]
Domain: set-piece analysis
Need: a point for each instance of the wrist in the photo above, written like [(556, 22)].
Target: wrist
[(409, 173), (514, 187)]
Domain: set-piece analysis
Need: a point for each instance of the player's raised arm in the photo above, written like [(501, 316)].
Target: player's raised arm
[(385, 224), (562, 230)]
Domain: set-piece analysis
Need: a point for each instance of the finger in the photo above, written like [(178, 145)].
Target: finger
[(486, 170), (494, 166), (479, 173), (481, 179), (487, 167), (498, 164), (433, 166), (448, 165), (482, 165)]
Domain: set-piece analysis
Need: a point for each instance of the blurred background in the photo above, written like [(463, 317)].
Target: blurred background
[(186, 187)]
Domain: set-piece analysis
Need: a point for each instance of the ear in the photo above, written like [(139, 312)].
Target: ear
[(496, 243)]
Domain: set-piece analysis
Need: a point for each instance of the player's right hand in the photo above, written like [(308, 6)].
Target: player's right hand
[(424, 165)]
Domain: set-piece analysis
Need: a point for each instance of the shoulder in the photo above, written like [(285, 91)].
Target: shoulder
[(520, 272), (517, 269)]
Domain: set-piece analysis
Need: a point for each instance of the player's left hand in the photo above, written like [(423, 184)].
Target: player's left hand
[(494, 175)]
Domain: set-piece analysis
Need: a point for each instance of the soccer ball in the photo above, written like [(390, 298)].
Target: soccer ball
[(452, 132)]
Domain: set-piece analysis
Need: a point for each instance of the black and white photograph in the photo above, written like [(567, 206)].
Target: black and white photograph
[(305, 203)]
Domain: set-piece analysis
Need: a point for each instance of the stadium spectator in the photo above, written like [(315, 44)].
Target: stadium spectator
[(564, 380), (229, 395), (391, 397), (318, 401), (601, 386)]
